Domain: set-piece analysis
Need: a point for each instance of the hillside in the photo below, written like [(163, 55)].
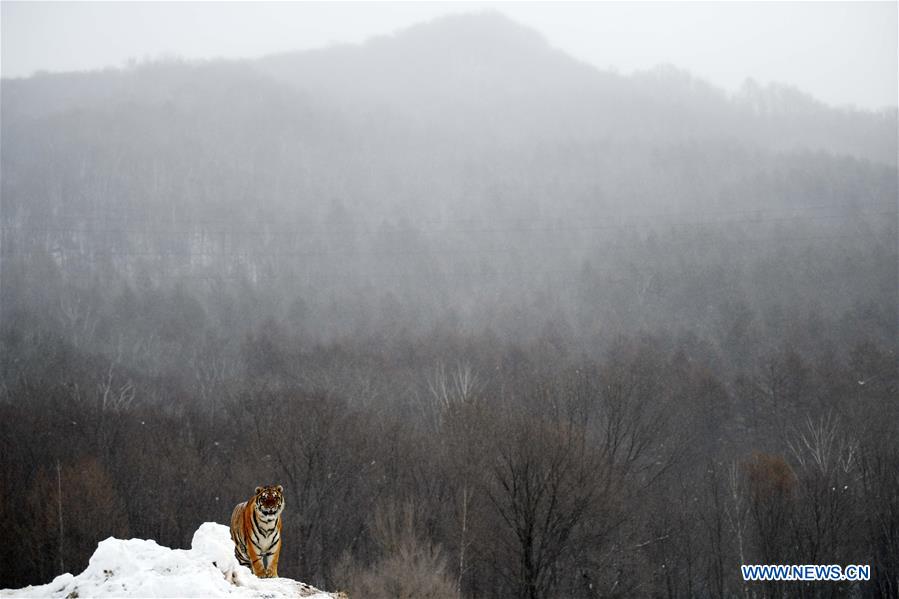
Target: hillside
[(483, 74), (462, 150), (466, 117), (477, 73), (501, 324)]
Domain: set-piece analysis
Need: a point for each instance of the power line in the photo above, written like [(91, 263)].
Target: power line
[(529, 248), (611, 220), (487, 275), (620, 223)]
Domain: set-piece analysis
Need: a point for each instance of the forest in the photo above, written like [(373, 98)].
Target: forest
[(502, 324)]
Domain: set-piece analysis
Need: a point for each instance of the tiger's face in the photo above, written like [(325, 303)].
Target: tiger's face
[(270, 500)]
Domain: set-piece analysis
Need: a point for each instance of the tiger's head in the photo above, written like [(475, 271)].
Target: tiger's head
[(270, 500)]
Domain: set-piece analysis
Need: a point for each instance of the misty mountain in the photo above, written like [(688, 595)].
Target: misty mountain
[(464, 150), (435, 110), (484, 73)]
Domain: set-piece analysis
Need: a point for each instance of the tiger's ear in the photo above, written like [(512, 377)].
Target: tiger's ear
[(280, 489), (258, 490)]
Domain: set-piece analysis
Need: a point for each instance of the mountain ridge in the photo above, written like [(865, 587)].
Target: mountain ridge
[(475, 75)]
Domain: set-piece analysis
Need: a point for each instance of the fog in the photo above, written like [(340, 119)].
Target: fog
[(503, 320), (840, 52)]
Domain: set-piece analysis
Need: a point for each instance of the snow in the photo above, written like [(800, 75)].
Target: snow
[(142, 568)]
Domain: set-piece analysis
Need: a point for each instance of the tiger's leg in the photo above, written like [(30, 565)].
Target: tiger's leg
[(255, 561), (241, 558), (258, 568), (252, 552), (275, 556)]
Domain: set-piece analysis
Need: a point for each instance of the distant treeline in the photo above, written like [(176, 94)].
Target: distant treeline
[(648, 463)]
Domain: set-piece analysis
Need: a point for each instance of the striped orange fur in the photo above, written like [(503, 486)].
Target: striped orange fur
[(256, 531)]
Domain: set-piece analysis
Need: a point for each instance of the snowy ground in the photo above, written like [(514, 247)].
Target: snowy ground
[(139, 568)]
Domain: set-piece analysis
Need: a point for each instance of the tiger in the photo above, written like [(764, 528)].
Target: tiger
[(256, 531)]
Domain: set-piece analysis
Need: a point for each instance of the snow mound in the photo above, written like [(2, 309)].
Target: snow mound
[(142, 568)]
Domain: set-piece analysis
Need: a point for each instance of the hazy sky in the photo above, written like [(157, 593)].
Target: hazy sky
[(842, 53)]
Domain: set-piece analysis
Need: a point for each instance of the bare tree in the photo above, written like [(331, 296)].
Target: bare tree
[(112, 395), (821, 446), (410, 566), (828, 481), (446, 391), (545, 481), (737, 512), (79, 316)]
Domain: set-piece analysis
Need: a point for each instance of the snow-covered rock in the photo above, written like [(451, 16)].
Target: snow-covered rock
[(142, 568)]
